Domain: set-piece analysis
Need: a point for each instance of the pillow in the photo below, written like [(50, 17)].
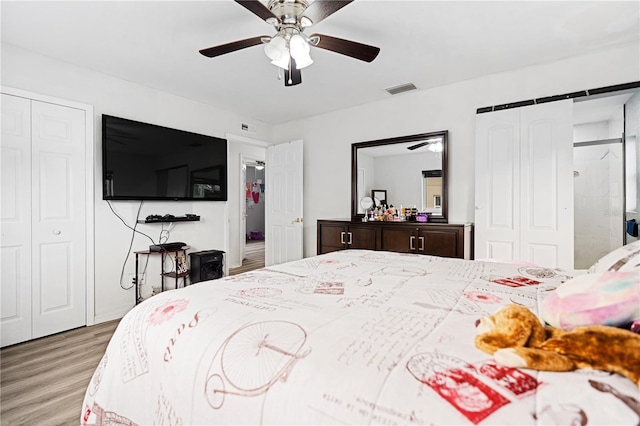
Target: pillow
[(605, 298), (624, 258)]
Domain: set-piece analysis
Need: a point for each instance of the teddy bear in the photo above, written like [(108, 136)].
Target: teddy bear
[(517, 338)]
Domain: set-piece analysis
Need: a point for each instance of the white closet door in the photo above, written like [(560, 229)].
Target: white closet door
[(58, 218), (497, 204), (524, 184), (546, 138), (15, 225)]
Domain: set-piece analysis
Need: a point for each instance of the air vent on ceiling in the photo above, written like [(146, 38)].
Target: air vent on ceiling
[(402, 88)]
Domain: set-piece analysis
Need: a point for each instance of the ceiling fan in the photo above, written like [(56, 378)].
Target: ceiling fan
[(289, 47), (434, 145)]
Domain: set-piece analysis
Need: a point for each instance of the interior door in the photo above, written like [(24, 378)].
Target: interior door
[(497, 178), (58, 259), (15, 224), (284, 202)]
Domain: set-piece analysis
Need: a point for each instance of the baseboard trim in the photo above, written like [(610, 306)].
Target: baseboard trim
[(113, 315)]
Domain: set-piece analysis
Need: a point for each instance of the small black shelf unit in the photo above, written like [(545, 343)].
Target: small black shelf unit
[(163, 274)]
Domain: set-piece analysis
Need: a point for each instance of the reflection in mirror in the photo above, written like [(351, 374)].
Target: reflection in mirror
[(366, 203), (379, 197), (432, 193), (412, 169)]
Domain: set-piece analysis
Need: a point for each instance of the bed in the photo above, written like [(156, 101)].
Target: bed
[(349, 337)]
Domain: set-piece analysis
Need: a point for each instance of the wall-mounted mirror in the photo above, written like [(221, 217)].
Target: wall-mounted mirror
[(411, 169)]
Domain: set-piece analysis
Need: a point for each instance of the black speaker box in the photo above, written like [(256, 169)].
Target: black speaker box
[(205, 265)]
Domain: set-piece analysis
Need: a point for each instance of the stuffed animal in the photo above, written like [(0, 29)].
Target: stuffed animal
[(517, 338)]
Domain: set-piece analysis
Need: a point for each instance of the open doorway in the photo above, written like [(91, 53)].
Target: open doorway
[(253, 216), (605, 169)]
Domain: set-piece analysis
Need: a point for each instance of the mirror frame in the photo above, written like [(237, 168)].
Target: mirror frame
[(443, 218)]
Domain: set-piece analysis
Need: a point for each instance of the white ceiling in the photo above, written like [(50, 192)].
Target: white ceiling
[(428, 43)]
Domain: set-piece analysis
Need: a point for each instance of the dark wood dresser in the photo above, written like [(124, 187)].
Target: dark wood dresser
[(437, 239)]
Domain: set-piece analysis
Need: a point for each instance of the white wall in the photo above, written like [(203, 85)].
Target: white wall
[(328, 137), (39, 74), (591, 131)]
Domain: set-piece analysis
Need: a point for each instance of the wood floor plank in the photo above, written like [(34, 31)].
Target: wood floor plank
[(43, 381)]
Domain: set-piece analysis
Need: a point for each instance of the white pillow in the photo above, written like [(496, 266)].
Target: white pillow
[(624, 258)]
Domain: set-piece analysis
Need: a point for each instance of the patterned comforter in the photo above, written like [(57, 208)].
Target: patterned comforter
[(350, 337)]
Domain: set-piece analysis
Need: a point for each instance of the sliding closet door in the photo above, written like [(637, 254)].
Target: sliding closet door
[(546, 137), (524, 184), (58, 218), (15, 207), (497, 215)]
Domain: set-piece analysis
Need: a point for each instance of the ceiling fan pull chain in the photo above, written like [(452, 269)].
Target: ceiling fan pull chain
[(290, 79)]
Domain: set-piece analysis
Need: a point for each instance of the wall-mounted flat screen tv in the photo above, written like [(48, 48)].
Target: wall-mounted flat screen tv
[(143, 161)]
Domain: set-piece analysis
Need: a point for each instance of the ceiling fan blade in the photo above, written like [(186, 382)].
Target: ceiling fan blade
[(222, 49), (293, 77), (320, 9), (364, 52), (420, 145), (258, 9)]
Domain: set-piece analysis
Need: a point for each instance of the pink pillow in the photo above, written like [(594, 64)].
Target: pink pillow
[(606, 298)]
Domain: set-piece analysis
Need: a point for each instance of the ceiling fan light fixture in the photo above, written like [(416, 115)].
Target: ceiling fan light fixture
[(298, 45), (435, 146), (276, 48), (300, 49), (282, 62), (303, 61), (305, 22)]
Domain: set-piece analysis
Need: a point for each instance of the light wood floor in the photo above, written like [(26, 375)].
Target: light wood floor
[(43, 381), (254, 259)]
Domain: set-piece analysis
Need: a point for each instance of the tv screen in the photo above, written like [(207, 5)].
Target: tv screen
[(143, 161)]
